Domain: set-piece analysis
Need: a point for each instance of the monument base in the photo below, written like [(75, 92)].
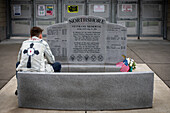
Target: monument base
[(85, 91), (90, 68)]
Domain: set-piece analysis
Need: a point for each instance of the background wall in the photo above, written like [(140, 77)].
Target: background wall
[(2, 20), (168, 24), (148, 24), (143, 18)]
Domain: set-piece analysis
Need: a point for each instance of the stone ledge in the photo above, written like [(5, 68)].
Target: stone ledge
[(85, 91), (90, 68)]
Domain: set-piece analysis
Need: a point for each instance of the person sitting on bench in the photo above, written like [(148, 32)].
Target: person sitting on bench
[(35, 55)]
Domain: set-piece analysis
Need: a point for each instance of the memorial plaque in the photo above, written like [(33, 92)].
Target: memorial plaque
[(116, 43), (57, 39), (86, 42)]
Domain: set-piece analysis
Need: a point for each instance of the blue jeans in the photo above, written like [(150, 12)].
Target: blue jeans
[(56, 66)]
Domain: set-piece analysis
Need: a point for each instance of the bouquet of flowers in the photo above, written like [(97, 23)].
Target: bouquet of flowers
[(127, 65)]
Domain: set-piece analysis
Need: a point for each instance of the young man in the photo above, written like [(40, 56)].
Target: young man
[(35, 55)]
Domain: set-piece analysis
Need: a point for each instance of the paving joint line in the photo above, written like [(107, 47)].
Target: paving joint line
[(136, 54)]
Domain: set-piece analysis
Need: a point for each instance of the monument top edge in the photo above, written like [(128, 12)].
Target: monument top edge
[(115, 24), (84, 18), (57, 24), (87, 18)]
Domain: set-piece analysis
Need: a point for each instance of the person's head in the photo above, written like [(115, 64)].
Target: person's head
[(36, 31)]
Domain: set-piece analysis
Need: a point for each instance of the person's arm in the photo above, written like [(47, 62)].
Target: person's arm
[(19, 54), (49, 55)]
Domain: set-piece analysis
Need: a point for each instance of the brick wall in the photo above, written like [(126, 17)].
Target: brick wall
[(2, 20), (168, 20)]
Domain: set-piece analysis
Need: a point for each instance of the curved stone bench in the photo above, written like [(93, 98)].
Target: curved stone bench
[(85, 91)]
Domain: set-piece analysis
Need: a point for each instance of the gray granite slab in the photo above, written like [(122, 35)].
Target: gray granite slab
[(116, 43), (87, 40), (85, 91), (112, 68), (57, 40), (65, 68), (90, 68), (87, 68)]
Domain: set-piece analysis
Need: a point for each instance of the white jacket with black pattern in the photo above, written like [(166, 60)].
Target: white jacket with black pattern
[(35, 56)]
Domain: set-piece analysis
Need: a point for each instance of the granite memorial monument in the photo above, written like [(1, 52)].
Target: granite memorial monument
[(87, 40)]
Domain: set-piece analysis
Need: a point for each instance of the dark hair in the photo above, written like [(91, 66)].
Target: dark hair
[(36, 31)]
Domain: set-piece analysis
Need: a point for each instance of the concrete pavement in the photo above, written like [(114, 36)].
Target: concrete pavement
[(154, 53), (8, 58)]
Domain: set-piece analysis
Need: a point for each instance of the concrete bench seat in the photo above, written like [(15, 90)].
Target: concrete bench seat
[(85, 91), (90, 68)]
